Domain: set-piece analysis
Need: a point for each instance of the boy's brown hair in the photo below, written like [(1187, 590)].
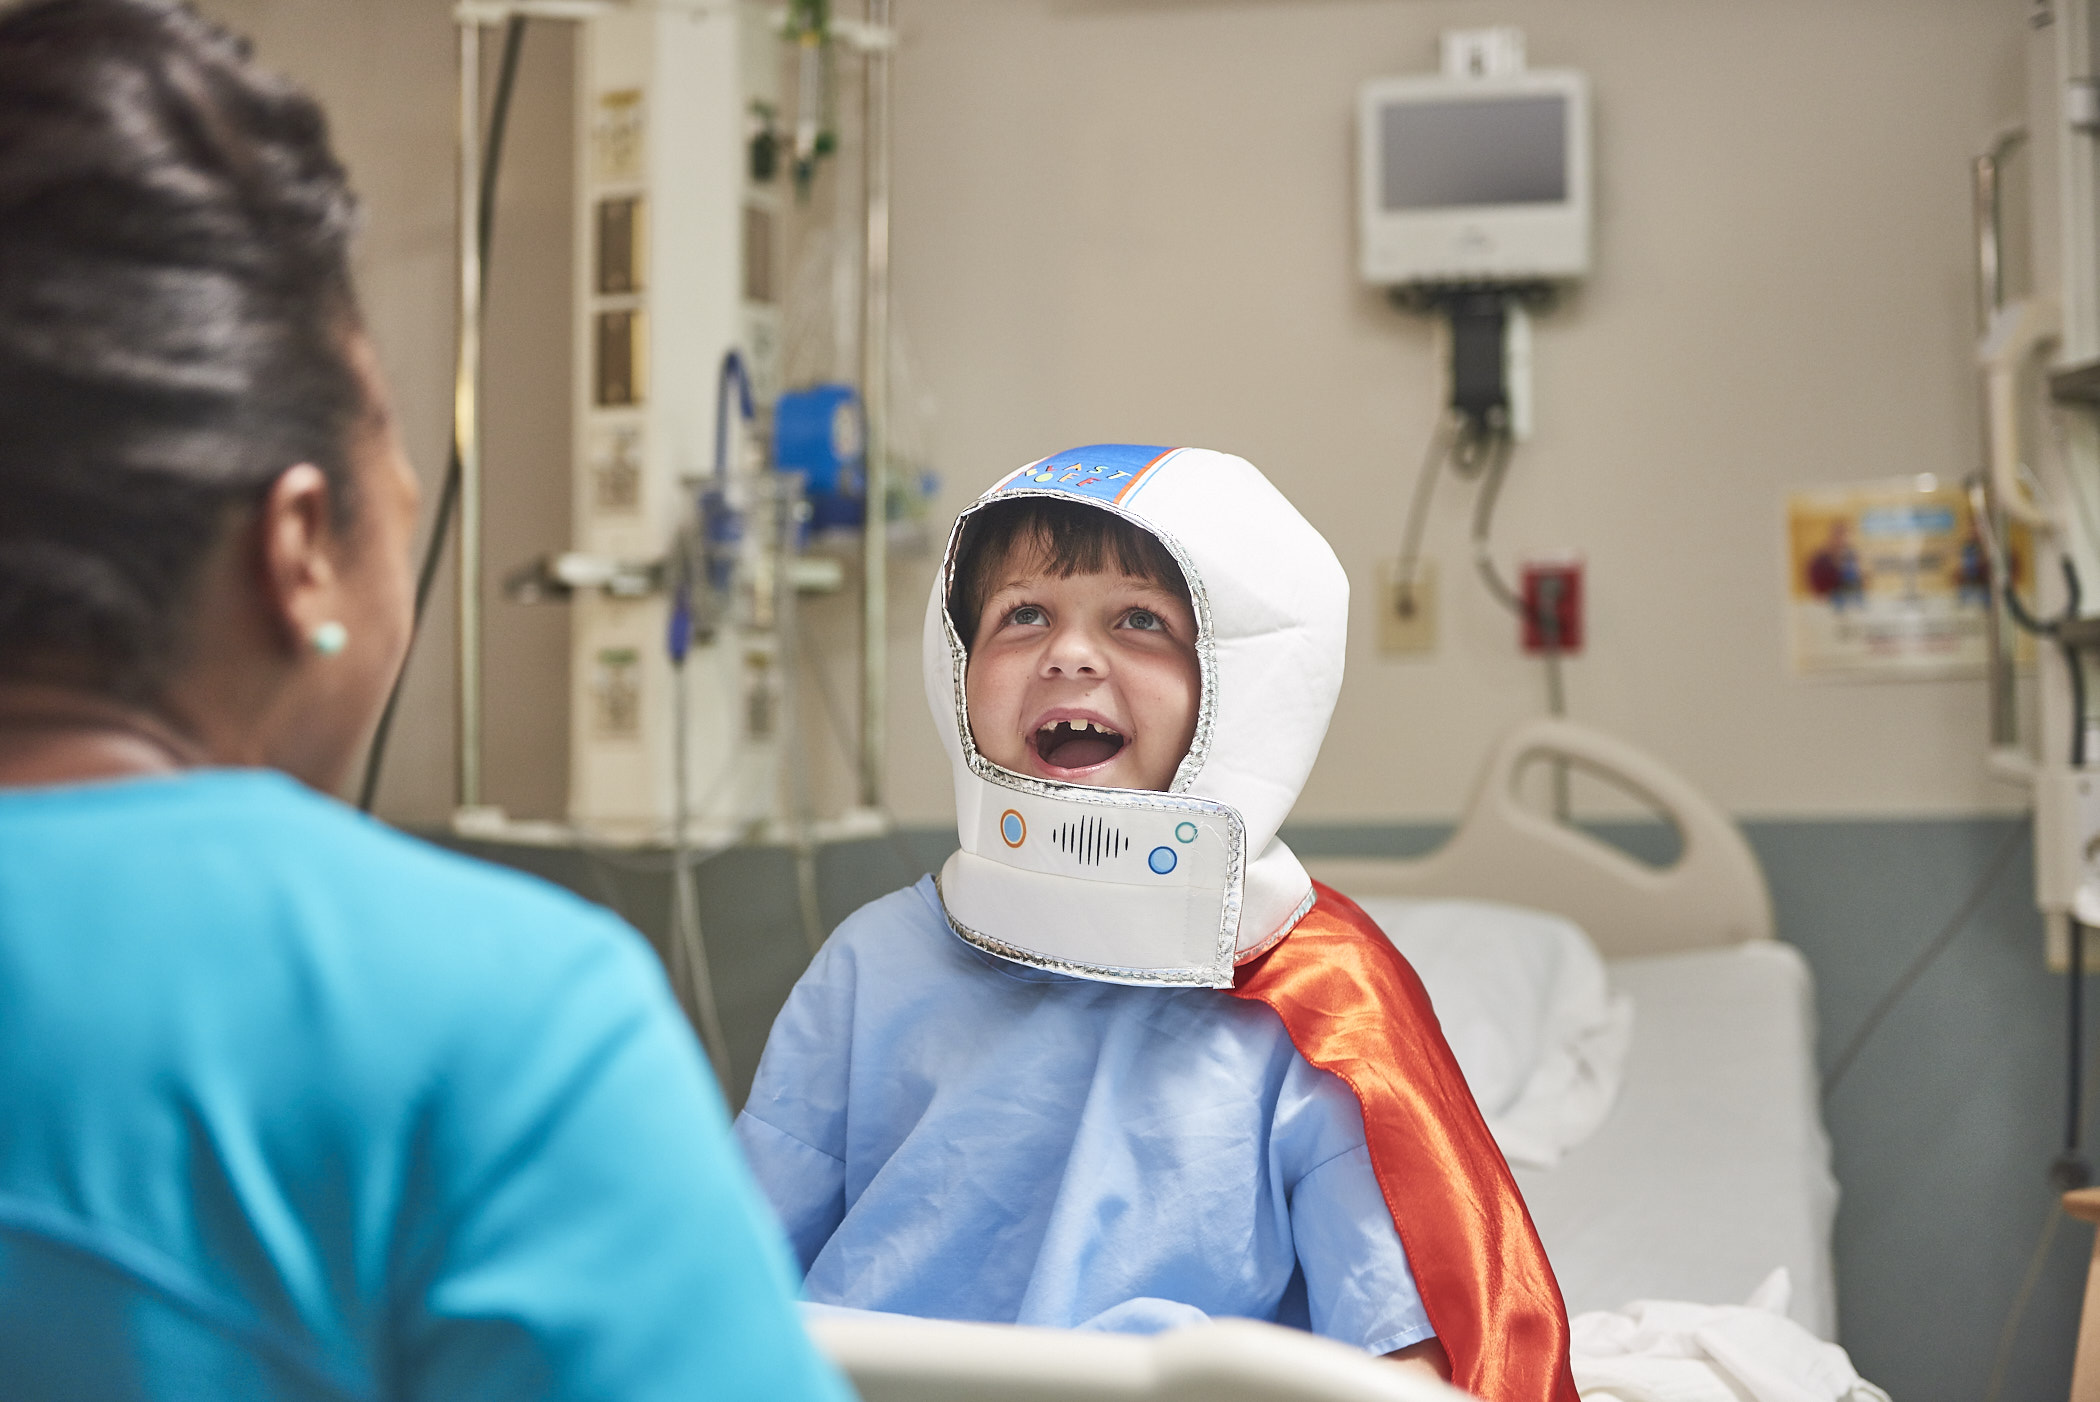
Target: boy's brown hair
[(1073, 538)]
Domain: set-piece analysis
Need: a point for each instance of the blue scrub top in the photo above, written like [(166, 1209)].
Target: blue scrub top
[(297, 1108), (950, 1135)]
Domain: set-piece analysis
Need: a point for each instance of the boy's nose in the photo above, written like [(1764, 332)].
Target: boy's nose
[(1073, 650)]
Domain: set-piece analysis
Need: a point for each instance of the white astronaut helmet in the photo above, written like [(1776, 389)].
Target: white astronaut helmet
[(1134, 886)]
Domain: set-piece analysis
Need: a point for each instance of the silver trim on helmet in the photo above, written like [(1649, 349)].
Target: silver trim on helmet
[(1206, 649), (1304, 909), (1174, 800)]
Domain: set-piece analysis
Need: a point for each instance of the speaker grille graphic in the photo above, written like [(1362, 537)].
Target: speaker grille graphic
[(1090, 840)]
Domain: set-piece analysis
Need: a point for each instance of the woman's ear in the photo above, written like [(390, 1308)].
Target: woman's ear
[(297, 539)]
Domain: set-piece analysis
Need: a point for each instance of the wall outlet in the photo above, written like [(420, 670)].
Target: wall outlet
[(1551, 588), (1406, 617)]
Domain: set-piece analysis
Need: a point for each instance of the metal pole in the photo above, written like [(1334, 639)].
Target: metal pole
[(1990, 275), (466, 416), (875, 395), (1987, 186)]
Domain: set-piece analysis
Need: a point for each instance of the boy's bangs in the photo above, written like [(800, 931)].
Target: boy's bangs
[(1063, 538)]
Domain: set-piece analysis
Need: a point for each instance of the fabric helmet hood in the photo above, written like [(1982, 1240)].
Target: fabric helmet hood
[(1128, 885)]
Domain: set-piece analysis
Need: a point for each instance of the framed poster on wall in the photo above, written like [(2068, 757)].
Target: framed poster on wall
[(1890, 578)]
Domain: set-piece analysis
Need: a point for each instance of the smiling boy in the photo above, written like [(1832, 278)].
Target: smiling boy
[(1082, 646), (1123, 1066)]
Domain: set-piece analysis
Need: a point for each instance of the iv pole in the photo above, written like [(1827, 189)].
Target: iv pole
[(875, 396), (875, 38), (466, 417)]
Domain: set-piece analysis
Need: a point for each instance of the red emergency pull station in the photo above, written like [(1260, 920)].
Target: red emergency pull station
[(1551, 590)]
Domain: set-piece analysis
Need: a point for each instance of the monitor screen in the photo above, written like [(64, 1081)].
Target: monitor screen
[(1474, 151)]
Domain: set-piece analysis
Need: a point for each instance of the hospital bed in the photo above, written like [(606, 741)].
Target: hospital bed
[(1709, 1170), (1712, 1167), (1231, 1360)]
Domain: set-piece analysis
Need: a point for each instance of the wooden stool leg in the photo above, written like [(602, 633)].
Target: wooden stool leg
[(2085, 1368), (2085, 1371)]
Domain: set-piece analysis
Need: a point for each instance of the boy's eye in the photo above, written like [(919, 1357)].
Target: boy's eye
[(1028, 615), (1145, 619)]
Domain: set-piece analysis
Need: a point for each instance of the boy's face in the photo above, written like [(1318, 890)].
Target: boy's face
[(1086, 678)]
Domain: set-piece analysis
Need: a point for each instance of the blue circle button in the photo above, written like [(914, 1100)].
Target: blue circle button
[(1162, 860), (1185, 833), (1012, 829)]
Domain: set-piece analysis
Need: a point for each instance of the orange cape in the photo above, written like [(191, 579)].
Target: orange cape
[(1353, 1006)]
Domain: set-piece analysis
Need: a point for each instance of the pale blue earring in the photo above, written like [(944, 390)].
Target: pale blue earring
[(330, 638)]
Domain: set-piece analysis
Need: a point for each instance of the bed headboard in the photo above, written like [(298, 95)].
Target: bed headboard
[(1504, 850)]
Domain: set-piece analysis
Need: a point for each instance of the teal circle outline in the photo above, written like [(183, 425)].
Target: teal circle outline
[(1186, 832)]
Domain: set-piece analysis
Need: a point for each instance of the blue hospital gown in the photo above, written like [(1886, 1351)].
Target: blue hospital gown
[(950, 1135)]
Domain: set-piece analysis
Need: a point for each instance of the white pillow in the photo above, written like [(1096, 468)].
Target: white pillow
[(1524, 1003)]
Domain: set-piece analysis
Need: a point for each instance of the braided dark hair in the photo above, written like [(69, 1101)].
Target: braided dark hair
[(175, 315)]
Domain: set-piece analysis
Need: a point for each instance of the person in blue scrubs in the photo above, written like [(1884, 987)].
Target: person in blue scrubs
[(294, 1107)]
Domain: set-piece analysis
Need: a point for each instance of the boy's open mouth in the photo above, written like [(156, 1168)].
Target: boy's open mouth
[(1077, 744)]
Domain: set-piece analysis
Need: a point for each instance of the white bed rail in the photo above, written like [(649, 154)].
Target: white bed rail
[(1235, 1360), (1713, 895)]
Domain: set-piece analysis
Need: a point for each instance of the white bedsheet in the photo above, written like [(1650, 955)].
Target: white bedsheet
[(1713, 1167), (1525, 1005), (1665, 1351)]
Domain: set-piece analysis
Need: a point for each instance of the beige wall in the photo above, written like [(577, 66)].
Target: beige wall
[(385, 69), (1132, 221)]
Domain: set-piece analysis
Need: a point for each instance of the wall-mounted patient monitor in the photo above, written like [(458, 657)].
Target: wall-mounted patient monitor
[(1474, 179)]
